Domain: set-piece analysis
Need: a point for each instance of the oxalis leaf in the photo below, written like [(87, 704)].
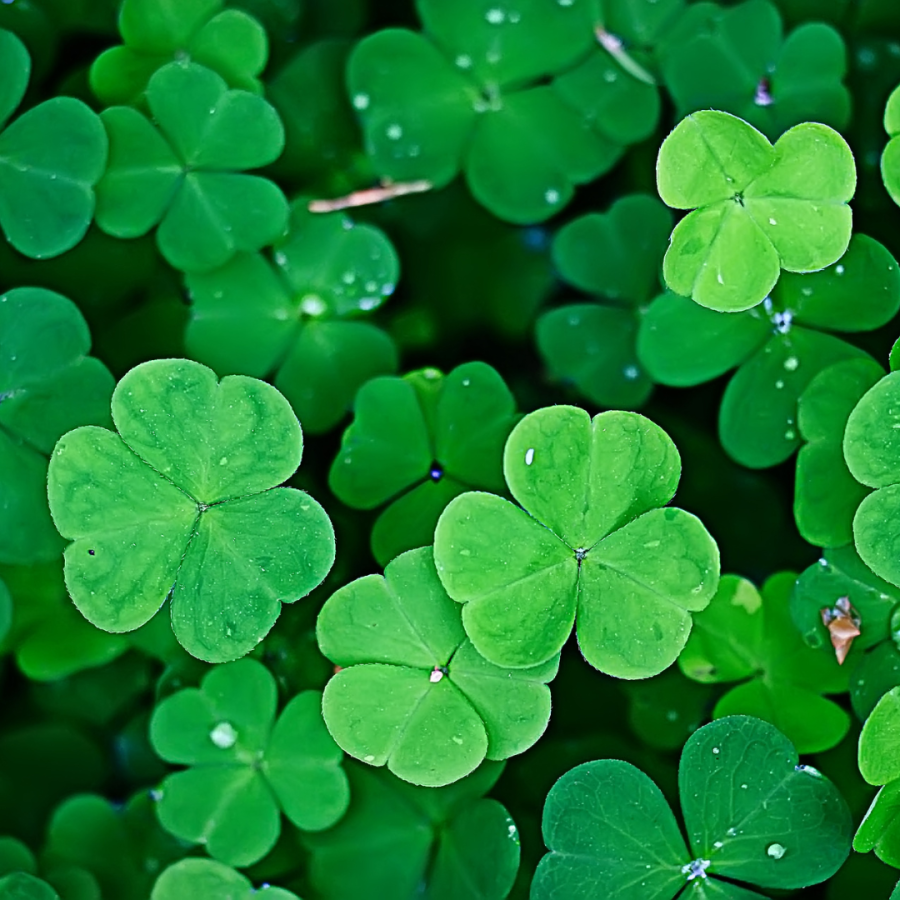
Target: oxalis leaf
[(22, 886), (890, 159), (181, 501), (412, 692), (747, 635), (592, 542), (752, 815), (51, 158), (188, 174), (245, 768), (757, 209), (398, 841), (205, 879)]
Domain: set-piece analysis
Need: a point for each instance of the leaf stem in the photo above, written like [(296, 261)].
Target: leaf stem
[(616, 49), (385, 191)]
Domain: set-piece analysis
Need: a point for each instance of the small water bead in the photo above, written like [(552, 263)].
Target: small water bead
[(436, 473), (463, 61), (790, 434), (368, 303), (495, 16), (791, 363), (839, 269), (610, 76), (361, 101), (156, 795), (551, 196), (631, 372), (716, 751), (718, 845), (779, 384), (313, 305), (394, 132), (437, 674), (224, 735), (782, 321), (565, 2), (772, 222), (529, 456), (776, 851)]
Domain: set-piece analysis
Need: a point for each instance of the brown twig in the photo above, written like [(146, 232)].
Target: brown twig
[(386, 191)]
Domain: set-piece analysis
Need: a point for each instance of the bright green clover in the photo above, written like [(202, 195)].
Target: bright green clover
[(21, 886), (615, 256), (398, 841), (206, 879), (49, 638), (872, 452), (245, 768), (826, 495), (182, 501), (873, 660), (737, 59), (462, 96), (757, 209), (412, 692), (753, 817), (420, 441), (51, 157), (890, 159), (747, 635), (879, 743), (48, 384), (122, 847), (186, 172), (228, 41), (778, 348), (297, 316), (593, 542)]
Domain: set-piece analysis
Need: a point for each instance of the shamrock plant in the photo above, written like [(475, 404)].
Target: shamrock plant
[(245, 767), (51, 157), (412, 692), (181, 500), (616, 257), (465, 95), (22, 878), (748, 634), (48, 385), (420, 441), (228, 41), (756, 208), (425, 842), (778, 347), (186, 172), (753, 817), (205, 879), (590, 542), (298, 316), (737, 59), (890, 159)]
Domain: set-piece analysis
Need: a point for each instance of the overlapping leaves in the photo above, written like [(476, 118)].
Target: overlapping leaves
[(412, 693)]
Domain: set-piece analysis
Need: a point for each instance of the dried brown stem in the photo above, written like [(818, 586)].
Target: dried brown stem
[(386, 191)]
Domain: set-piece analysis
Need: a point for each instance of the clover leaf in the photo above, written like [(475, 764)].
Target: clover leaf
[(186, 172), (298, 316), (398, 841), (21, 886), (753, 816), (615, 256), (738, 59), (873, 658), (245, 767), (757, 209), (122, 847), (748, 634), (826, 495), (206, 879), (412, 693), (420, 441), (48, 384), (870, 448), (49, 638), (51, 158), (228, 41), (463, 96), (68, 882), (182, 501), (778, 348), (890, 159), (592, 542), (878, 745)]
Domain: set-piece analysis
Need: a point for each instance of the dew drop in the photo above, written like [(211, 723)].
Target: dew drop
[(631, 372), (776, 851), (551, 196), (839, 270), (529, 456), (312, 305), (437, 674), (463, 61), (695, 869), (369, 758), (224, 735), (791, 363), (223, 461), (361, 101), (779, 384), (716, 751), (495, 16), (772, 222)]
